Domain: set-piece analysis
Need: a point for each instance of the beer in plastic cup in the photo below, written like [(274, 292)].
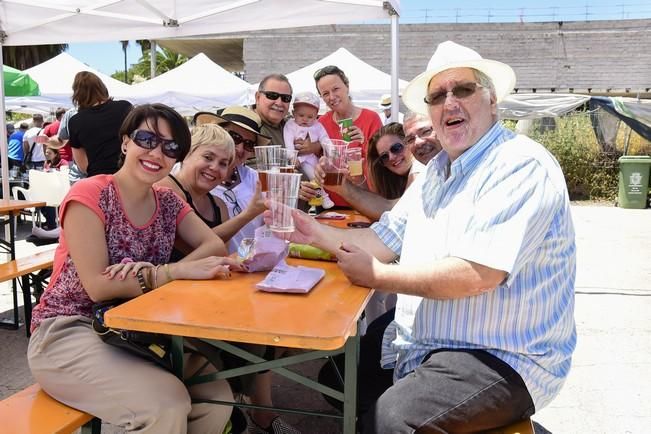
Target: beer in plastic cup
[(335, 164)]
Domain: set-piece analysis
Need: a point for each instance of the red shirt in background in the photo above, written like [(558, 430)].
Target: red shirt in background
[(53, 130)]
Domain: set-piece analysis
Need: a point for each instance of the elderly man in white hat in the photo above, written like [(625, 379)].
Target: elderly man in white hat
[(484, 324)]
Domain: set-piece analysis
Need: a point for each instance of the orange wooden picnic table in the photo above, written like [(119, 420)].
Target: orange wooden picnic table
[(222, 311)]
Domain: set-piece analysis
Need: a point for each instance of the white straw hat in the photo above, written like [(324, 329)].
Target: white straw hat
[(452, 55)]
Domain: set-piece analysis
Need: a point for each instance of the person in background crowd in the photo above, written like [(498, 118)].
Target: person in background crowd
[(333, 86), (53, 130), (94, 129), (16, 150), (385, 106), (53, 149), (118, 233), (34, 152), (484, 234)]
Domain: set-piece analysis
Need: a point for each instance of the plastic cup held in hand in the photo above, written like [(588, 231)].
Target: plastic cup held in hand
[(286, 159), (355, 160), (335, 165), (266, 161), (283, 196)]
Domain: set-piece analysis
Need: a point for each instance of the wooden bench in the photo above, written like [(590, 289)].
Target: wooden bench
[(32, 411), (26, 269), (523, 427)]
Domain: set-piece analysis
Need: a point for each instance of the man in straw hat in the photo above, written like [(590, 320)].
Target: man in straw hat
[(484, 330)]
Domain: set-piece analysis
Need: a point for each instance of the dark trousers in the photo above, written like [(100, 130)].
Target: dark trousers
[(452, 391)]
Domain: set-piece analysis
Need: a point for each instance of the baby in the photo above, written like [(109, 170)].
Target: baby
[(304, 124)]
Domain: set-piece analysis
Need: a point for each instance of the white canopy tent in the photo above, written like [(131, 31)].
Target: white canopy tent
[(539, 105), (199, 84), (55, 77), (367, 83), (32, 22)]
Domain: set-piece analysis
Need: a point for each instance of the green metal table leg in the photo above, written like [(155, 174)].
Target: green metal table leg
[(177, 356), (350, 384)]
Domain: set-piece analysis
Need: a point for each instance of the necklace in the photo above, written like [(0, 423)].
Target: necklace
[(228, 183)]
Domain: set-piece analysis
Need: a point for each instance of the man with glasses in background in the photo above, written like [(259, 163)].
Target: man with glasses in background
[(483, 331)]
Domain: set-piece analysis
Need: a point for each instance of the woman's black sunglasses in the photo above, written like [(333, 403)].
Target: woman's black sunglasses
[(327, 70), (149, 140), (273, 96), (396, 149), (249, 145)]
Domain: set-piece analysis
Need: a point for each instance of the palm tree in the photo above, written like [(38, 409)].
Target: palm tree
[(23, 57), (166, 60), (125, 45)]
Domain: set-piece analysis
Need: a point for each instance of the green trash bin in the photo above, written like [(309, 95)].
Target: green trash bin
[(634, 181)]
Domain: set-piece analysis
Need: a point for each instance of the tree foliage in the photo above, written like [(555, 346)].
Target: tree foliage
[(166, 60), (26, 56)]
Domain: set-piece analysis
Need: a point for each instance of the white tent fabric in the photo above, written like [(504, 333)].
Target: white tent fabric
[(539, 105), (199, 84), (33, 22), (55, 78), (367, 83)]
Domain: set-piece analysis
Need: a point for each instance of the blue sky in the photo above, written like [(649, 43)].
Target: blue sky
[(108, 57)]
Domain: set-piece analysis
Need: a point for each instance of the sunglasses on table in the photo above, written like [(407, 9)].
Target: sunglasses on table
[(149, 140), (460, 91), (249, 145), (273, 96), (395, 149)]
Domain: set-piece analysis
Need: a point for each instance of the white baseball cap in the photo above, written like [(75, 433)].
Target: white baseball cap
[(308, 98)]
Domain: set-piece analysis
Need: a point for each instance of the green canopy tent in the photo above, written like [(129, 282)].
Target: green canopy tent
[(18, 83)]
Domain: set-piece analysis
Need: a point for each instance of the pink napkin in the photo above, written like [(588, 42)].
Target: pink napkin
[(285, 278)]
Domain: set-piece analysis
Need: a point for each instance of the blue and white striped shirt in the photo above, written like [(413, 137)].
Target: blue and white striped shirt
[(505, 206)]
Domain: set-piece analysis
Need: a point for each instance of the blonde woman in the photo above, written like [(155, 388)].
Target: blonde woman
[(211, 157)]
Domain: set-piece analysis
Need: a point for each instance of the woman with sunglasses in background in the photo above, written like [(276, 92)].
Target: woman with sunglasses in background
[(206, 166), (94, 129), (333, 86), (239, 189), (118, 233)]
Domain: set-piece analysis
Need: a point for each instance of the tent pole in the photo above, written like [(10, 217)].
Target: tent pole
[(6, 194), (152, 58), (395, 49)]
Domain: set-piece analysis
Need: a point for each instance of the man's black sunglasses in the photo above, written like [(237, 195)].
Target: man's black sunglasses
[(149, 140), (249, 145), (396, 149), (273, 96)]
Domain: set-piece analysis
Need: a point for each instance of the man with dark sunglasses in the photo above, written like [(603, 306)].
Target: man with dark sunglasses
[(272, 105), (483, 330)]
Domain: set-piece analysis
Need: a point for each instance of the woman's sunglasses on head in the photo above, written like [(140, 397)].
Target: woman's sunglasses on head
[(327, 70), (149, 140), (249, 145), (460, 91), (273, 96), (395, 149)]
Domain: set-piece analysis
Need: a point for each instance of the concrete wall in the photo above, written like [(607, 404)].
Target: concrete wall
[(595, 56)]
